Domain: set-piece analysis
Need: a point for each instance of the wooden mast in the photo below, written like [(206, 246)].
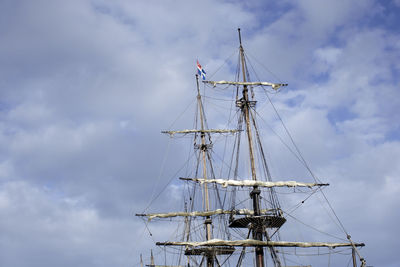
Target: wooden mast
[(353, 254), (255, 193), (203, 148), (151, 258)]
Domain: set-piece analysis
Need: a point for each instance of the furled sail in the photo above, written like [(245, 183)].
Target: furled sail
[(201, 213), (258, 243), (250, 183), (221, 131), (274, 86)]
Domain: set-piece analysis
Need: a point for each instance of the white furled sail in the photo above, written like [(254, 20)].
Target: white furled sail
[(201, 213), (274, 86), (259, 243), (220, 131), (252, 183)]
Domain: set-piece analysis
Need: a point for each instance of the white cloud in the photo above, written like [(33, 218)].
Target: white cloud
[(328, 55), (54, 230)]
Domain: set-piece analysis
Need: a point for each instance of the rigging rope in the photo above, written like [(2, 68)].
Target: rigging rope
[(272, 195), (312, 174), (306, 164), (225, 62), (262, 65), (165, 187), (302, 158), (315, 179), (160, 174)]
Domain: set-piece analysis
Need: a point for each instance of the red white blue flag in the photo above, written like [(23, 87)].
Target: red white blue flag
[(200, 71)]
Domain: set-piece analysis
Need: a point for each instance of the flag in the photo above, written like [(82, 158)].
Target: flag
[(200, 71)]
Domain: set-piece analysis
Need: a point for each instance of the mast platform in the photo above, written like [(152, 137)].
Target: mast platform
[(210, 251), (268, 221)]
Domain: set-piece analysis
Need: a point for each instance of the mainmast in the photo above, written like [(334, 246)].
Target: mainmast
[(255, 193)]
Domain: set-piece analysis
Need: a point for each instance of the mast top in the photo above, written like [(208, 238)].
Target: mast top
[(240, 37)]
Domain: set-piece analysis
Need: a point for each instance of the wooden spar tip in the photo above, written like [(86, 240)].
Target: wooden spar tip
[(240, 37)]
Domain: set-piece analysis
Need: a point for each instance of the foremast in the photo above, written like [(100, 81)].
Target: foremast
[(203, 149), (208, 253), (202, 143)]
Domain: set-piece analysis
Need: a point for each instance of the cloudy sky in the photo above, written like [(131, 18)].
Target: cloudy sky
[(86, 86)]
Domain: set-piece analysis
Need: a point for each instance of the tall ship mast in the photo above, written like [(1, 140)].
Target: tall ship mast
[(237, 219)]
